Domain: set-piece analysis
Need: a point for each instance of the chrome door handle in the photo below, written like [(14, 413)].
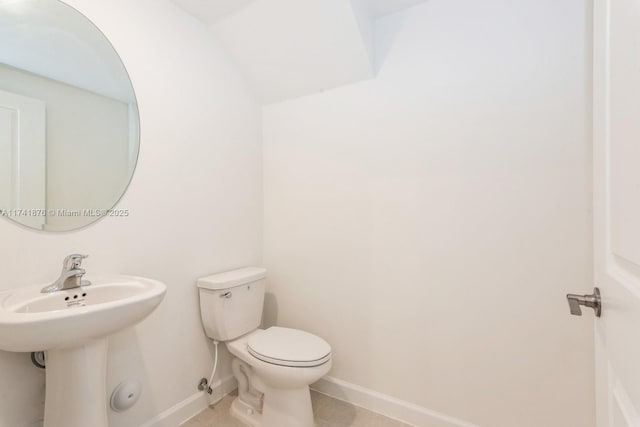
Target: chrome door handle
[(593, 301)]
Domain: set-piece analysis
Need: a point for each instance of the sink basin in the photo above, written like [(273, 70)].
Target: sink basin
[(72, 327), (33, 321)]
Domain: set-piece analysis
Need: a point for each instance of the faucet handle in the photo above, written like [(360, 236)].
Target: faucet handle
[(73, 261)]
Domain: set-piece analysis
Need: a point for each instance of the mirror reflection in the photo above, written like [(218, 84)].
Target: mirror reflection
[(69, 129)]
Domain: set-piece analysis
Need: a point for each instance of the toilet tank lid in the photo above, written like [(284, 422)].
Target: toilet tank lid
[(232, 278)]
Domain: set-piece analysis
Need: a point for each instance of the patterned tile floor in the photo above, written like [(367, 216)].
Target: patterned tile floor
[(327, 411)]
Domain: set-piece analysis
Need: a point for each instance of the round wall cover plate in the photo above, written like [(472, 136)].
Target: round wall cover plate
[(125, 395)]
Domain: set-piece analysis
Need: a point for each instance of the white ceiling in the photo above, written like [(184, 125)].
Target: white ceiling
[(291, 48), (381, 8), (210, 11)]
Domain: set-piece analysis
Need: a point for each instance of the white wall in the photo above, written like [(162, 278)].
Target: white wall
[(195, 204), (429, 223)]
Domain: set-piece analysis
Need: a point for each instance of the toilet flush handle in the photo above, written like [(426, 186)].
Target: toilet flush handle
[(226, 295)]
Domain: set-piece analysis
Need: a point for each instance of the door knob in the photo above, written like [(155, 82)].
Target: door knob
[(593, 301)]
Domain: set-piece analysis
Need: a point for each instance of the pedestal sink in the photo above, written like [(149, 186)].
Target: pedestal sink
[(72, 327)]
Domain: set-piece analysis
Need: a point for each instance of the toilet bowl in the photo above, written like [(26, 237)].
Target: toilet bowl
[(273, 366), (284, 383)]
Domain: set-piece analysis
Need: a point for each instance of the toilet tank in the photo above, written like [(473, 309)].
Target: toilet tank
[(231, 302)]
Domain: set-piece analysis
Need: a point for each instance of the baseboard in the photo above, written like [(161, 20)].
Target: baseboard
[(182, 411), (342, 390), (386, 405)]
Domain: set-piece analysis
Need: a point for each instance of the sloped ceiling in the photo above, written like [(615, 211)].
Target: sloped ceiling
[(291, 48), (381, 8), (210, 11)]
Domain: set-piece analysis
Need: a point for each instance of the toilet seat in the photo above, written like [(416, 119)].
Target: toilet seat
[(289, 347)]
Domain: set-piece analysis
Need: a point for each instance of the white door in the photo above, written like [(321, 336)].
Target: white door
[(22, 158), (617, 210)]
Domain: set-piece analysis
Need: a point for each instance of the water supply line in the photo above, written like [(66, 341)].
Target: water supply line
[(215, 366)]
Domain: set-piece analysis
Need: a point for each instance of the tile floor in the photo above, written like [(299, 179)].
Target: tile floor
[(327, 411)]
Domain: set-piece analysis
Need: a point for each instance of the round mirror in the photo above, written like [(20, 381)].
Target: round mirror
[(69, 126)]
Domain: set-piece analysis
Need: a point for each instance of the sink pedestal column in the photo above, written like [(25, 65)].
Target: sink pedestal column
[(75, 393)]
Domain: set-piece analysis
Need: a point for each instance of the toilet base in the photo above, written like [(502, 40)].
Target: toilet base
[(281, 408), (245, 413), (287, 408)]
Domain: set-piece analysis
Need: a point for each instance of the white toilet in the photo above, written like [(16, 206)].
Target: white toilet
[(273, 366)]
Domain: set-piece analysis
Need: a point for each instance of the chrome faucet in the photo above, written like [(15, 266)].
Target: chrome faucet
[(71, 276)]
